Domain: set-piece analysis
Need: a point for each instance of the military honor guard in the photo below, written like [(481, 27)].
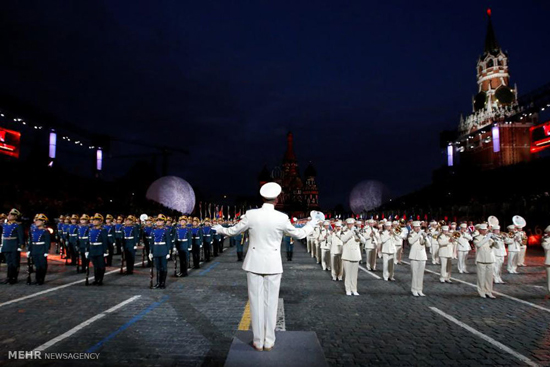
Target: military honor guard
[(263, 263), (39, 247), (484, 262), (336, 266), (183, 243), (461, 239), (217, 239), (546, 247), (351, 255), (72, 235), (160, 252), (207, 239), (418, 257), (196, 242), (118, 234), (372, 238), (513, 243), (12, 245), (110, 229), (59, 235), (499, 250), (65, 237), (324, 245), (82, 241), (97, 248), (130, 241), (445, 255), (147, 239), (315, 244)]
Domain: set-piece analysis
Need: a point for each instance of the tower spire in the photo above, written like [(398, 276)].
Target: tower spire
[(491, 43)]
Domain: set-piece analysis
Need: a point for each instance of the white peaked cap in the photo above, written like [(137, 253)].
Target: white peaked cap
[(371, 221), (463, 225), (338, 223), (270, 190), (483, 226), (496, 227), (511, 226), (395, 222), (294, 219), (445, 228), (326, 223), (433, 222), (387, 224), (416, 223), (547, 230), (358, 222), (350, 221)]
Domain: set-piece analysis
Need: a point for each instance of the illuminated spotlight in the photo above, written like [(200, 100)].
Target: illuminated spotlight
[(53, 144), (99, 159)]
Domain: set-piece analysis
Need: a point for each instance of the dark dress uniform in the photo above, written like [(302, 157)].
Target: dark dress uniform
[(183, 239), (147, 241), (289, 245), (39, 247), (12, 244), (160, 251), (217, 242), (239, 242), (207, 242), (196, 244), (110, 228), (97, 251), (118, 236), (130, 242), (72, 235), (83, 239)]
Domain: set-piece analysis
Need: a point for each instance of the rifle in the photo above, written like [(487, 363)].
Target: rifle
[(143, 254), (29, 269), (151, 274), (87, 271), (123, 259), (78, 260), (175, 256)]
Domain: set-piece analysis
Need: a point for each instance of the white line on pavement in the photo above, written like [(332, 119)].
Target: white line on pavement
[(53, 289), (486, 338), (369, 272), (83, 325), (281, 324), (495, 292)]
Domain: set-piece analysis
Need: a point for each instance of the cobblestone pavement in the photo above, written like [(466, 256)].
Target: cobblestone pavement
[(192, 321)]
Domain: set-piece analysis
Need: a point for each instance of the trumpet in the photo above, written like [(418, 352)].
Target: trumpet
[(457, 235), (397, 230), (511, 234)]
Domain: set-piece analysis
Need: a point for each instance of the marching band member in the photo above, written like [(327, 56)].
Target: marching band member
[(418, 258), (522, 246), (148, 239), (160, 252), (309, 240), (484, 262), (445, 255), (337, 271), (39, 247), (546, 247), (12, 245), (351, 254), (452, 229), (387, 242), (324, 245), (118, 234), (96, 248), (500, 253), (512, 242), (314, 236), (130, 240), (372, 239), (463, 247), (433, 233), (398, 242)]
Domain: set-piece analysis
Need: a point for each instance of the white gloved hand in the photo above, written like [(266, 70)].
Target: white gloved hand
[(168, 256), (86, 254), (105, 255), (217, 227), (19, 249), (28, 254), (135, 247), (150, 256), (45, 255)]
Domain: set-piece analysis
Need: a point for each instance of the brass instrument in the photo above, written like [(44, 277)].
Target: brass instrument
[(397, 230), (511, 234), (457, 235)]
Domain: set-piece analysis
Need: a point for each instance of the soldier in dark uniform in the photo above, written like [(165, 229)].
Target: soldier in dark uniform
[(239, 242), (110, 228), (196, 242), (217, 239), (83, 239), (183, 241), (148, 238), (59, 235), (12, 245), (39, 247), (97, 249), (118, 234), (131, 239), (72, 236), (160, 252), (207, 239), (65, 237)]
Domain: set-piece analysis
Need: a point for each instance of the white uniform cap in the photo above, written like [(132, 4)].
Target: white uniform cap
[(270, 190), (371, 221), (496, 227), (463, 225), (445, 228), (294, 219), (547, 230), (338, 223), (483, 226), (350, 221), (358, 222), (511, 226), (416, 223), (387, 224), (395, 222), (477, 226), (326, 223), (433, 222)]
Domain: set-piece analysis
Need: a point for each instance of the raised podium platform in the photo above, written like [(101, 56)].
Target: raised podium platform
[(292, 349)]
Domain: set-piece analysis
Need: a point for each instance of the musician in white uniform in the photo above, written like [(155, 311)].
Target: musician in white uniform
[(266, 227), (309, 239), (351, 254), (500, 253), (314, 244), (432, 238), (445, 255), (372, 238), (522, 246), (398, 241), (546, 247), (387, 243), (513, 249), (337, 270), (484, 262), (417, 255), (324, 245), (463, 247), (453, 229)]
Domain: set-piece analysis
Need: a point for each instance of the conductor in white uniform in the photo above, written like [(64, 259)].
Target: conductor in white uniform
[(266, 227)]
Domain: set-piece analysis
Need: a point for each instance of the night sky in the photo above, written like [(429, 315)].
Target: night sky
[(365, 86)]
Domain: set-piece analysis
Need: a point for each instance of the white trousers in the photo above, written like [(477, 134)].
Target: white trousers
[(446, 266), (548, 277), (370, 258), (308, 241), (521, 255), (435, 252), (337, 271), (462, 256), (512, 261), (484, 278), (351, 269), (263, 294), (313, 248), (417, 268), (325, 258), (318, 253), (388, 265), (455, 250), (398, 252), (497, 268)]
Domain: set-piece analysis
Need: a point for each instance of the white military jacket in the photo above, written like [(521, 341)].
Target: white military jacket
[(351, 250), (398, 239), (444, 240), (387, 243), (512, 243), (324, 238), (464, 241), (335, 243), (484, 253), (546, 247), (371, 236), (315, 235), (266, 227), (498, 248), (418, 246)]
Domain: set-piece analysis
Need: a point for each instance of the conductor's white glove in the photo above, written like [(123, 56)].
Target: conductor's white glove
[(45, 255), (150, 256)]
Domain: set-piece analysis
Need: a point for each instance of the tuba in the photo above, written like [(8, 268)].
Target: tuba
[(519, 221)]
